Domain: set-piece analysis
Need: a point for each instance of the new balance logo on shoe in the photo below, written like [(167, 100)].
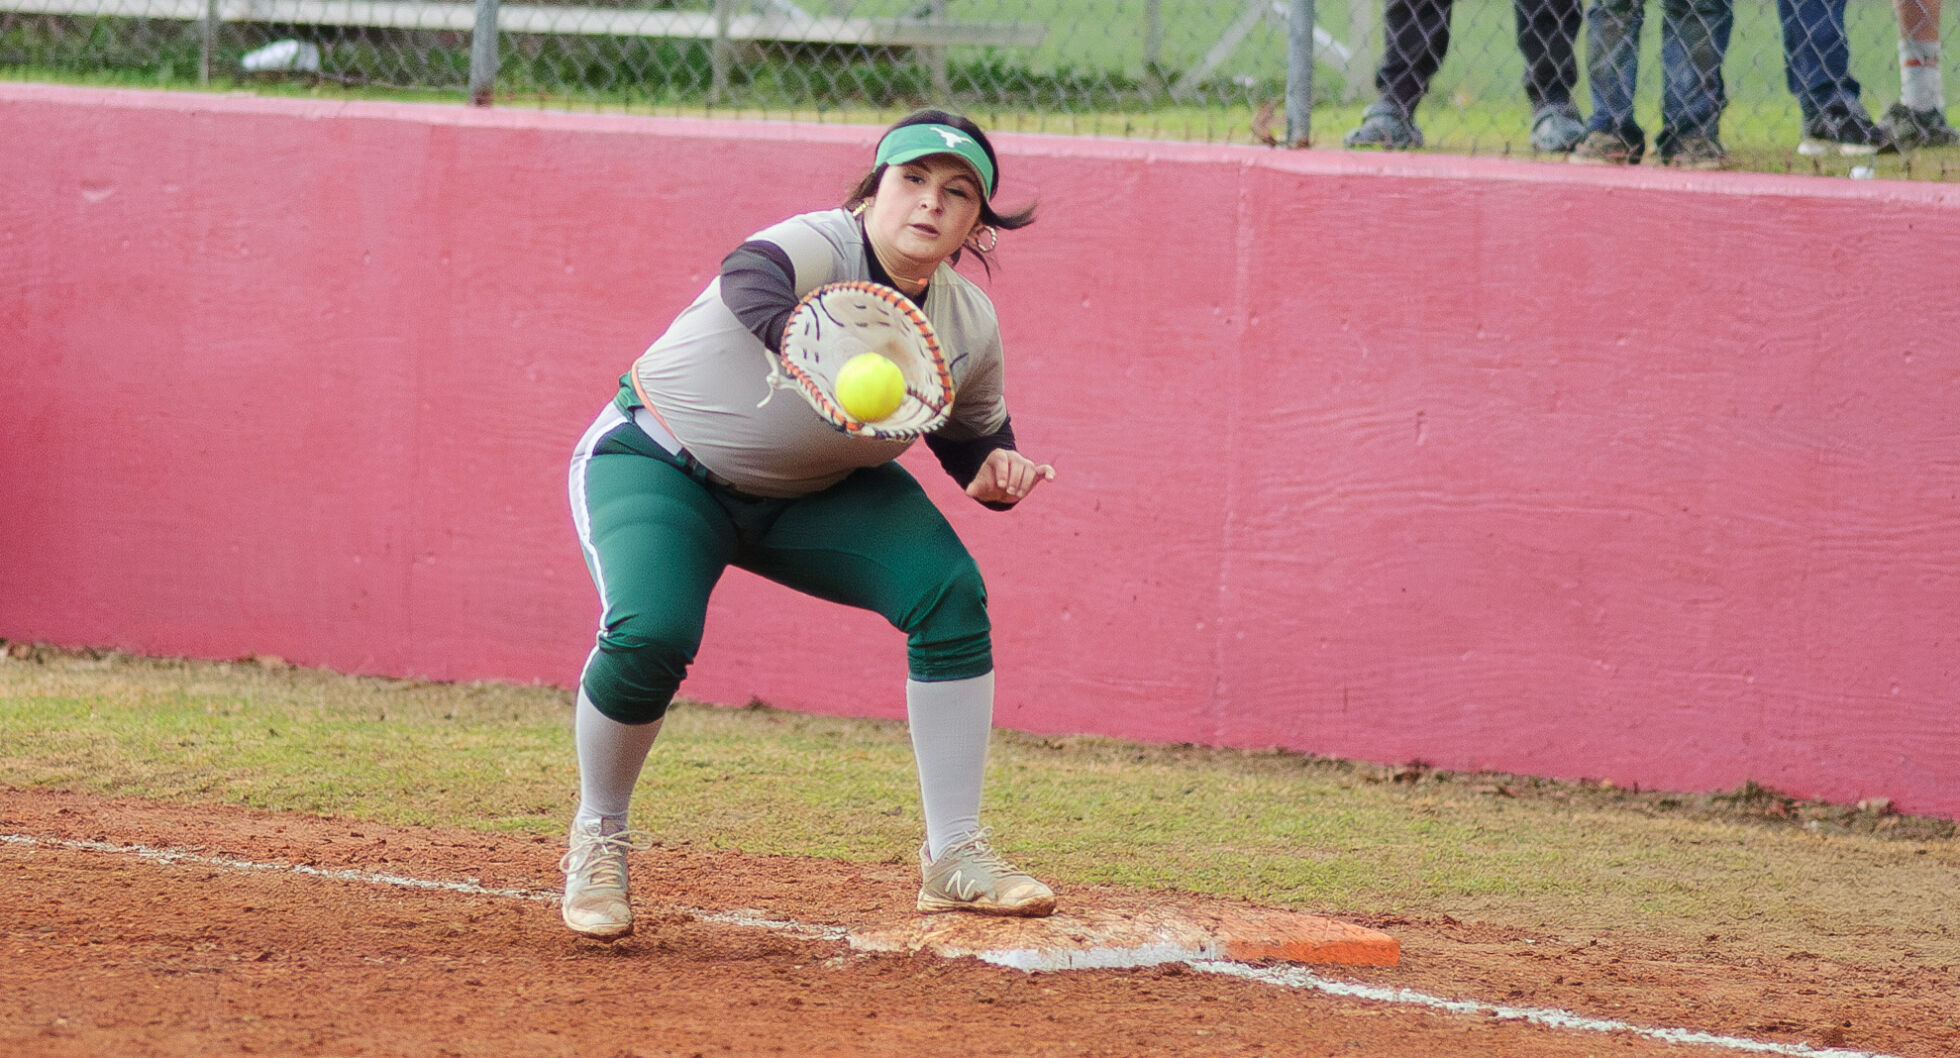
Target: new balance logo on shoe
[(970, 876), (964, 888)]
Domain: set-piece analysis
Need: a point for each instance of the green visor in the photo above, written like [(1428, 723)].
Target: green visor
[(913, 142)]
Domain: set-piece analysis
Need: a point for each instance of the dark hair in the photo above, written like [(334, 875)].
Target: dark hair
[(868, 186)]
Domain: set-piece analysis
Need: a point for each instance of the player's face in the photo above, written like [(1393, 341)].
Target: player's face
[(922, 211)]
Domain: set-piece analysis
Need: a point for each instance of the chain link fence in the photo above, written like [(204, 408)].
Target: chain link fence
[(1205, 70)]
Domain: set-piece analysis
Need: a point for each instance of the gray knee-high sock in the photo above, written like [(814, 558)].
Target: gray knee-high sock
[(950, 722), (610, 755)]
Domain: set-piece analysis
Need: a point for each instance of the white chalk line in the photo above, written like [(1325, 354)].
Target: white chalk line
[(1293, 977), (170, 856), (1296, 977), (230, 863)]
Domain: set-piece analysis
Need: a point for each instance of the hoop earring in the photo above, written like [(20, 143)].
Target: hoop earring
[(993, 239)]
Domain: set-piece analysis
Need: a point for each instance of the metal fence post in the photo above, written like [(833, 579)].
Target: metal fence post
[(1299, 73), (483, 54), (721, 53), (208, 46), (935, 55)]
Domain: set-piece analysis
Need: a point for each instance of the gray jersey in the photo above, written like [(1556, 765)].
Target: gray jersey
[(708, 375)]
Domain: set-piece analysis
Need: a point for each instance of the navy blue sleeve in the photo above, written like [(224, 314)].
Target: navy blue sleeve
[(758, 284), (962, 460)]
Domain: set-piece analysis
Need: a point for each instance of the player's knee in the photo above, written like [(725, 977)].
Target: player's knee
[(948, 634), (633, 676)]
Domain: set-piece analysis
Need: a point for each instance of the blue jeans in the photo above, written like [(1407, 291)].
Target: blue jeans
[(1816, 59), (1694, 40)]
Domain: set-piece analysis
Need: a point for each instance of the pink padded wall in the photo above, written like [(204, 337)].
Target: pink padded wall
[(1642, 476)]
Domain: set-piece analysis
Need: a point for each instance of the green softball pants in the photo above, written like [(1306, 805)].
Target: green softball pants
[(657, 536)]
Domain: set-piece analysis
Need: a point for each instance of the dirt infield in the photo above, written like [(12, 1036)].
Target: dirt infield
[(225, 949)]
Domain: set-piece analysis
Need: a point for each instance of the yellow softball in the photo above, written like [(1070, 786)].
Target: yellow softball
[(870, 387)]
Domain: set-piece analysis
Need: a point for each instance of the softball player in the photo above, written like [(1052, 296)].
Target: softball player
[(689, 471)]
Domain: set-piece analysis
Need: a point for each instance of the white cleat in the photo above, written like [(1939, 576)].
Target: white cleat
[(970, 876), (596, 901)]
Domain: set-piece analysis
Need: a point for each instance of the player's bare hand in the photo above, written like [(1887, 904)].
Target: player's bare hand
[(1007, 477)]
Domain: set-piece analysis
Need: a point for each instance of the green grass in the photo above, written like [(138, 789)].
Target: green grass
[(1277, 828)]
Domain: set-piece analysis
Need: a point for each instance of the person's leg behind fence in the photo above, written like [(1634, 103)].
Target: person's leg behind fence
[(1415, 38), (1547, 33), (1817, 70), (1694, 43), (1918, 119), (1613, 135)]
